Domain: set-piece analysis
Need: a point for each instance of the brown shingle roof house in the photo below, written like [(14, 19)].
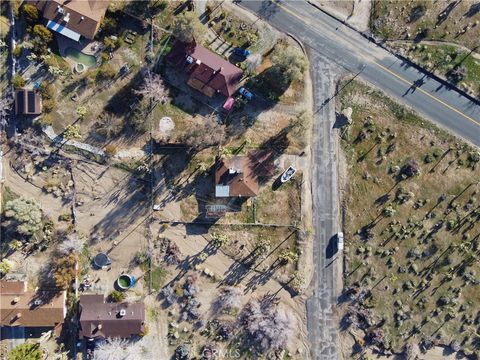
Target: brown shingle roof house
[(24, 308), (73, 18), (209, 73), (28, 102), (99, 319), (239, 176)]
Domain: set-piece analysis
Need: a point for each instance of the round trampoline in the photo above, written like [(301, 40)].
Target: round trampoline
[(101, 260)]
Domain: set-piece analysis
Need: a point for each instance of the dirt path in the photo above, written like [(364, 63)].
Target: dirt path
[(434, 42), (361, 15)]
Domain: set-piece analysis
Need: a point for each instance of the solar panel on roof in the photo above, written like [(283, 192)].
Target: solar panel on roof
[(20, 102), (31, 102)]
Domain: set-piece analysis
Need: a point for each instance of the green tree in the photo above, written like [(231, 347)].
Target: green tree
[(27, 214), (289, 63), (187, 28), (5, 266), (18, 81), (43, 33), (72, 132), (26, 352), (31, 13)]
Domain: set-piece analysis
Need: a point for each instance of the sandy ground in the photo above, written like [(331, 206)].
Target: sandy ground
[(355, 12), (219, 263)]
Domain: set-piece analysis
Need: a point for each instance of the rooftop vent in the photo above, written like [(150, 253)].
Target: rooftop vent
[(15, 300), (198, 62), (122, 312), (232, 171), (60, 9), (37, 302), (99, 326)]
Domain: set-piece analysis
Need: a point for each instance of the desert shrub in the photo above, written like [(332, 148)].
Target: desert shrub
[(220, 239), (17, 51), (111, 149), (288, 63), (411, 168), (417, 12), (26, 213), (48, 105), (72, 132), (64, 270), (26, 352), (106, 72), (43, 33), (116, 296), (5, 266), (18, 81), (31, 13)]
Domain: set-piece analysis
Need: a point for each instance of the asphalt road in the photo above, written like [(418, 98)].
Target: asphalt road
[(350, 51), (321, 319)]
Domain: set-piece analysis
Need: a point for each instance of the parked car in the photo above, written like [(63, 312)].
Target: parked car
[(245, 93), (241, 52), (340, 241)]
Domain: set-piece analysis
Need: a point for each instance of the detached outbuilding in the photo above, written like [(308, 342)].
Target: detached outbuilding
[(28, 102)]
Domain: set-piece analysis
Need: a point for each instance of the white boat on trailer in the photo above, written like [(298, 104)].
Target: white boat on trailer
[(288, 174)]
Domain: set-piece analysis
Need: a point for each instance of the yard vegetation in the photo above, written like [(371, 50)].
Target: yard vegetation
[(411, 228), (441, 36)]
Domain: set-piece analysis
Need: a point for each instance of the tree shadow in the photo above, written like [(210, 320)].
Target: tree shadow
[(446, 12), (473, 10)]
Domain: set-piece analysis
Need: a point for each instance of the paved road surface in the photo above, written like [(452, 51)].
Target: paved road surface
[(322, 324), (352, 52)]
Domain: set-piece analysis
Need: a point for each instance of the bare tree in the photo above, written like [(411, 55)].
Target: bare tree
[(5, 107), (119, 349), (153, 89), (72, 243), (208, 132), (229, 299), (269, 326), (253, 62)]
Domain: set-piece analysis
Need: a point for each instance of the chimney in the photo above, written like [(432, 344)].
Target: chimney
[(15, 300), (232, 171), (67, 18), (99, 327), (218, 71)]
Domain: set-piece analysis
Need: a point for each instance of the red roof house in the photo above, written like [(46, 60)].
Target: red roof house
[(208, 72)]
